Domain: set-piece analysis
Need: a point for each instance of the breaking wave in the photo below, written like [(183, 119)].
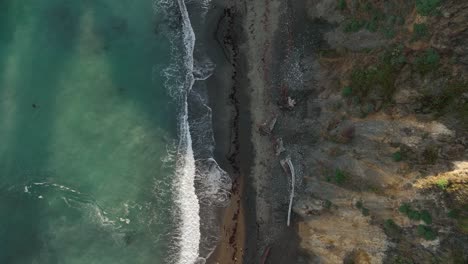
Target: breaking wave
[(199, 183)]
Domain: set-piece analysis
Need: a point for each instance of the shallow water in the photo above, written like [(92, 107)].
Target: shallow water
[(85, 124)]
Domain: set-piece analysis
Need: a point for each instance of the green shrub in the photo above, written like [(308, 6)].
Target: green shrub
[(359, 204), (404, 208), (342, 4), (426, 232), (365, 211), (410, 213), (442, 184), (420, 31), (347, 91), (414, 215), (429, 61), (454, 213), (427, 7), (340, 176), (426, 217), (397, 156)]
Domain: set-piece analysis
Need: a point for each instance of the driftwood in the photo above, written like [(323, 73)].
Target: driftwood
[(289, 169), (291, 103), (267, 127), (265, 255), (279, 146)]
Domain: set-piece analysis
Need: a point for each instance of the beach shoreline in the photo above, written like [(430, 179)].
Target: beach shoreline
[(231, 128), (249, 220)]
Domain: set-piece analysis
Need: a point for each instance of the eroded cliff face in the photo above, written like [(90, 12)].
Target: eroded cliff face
[(386, 160)]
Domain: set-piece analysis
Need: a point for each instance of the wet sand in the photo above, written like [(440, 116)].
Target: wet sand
[(231, 128)]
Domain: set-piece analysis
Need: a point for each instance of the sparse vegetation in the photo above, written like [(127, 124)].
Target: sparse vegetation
[(426, 232), (427, 7), (449, 100), (363, 209), (391, 228), (463, 224), (402, 260), (428, 62), (415, 214), (454, 213), (390, 224), (430, 155), (354, 25), (327, 204), (379, 79)]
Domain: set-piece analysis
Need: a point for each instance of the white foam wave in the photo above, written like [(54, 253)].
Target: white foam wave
[(215, 183), (179, 80), (187, 199), (203, 69)]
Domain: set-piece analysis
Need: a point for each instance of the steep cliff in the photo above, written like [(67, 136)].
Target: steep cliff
[(386, 156)]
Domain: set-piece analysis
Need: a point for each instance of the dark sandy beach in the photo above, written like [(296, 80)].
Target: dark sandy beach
[(240, 103)]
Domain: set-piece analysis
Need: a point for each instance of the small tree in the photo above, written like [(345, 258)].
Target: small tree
[(397, 156), (442, 184), (347, 91), (426, 232), (404, 208)]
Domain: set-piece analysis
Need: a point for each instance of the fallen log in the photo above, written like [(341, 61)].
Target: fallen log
[(265, 255), (289, 169)]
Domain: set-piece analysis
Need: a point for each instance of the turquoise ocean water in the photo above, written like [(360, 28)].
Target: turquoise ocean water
[(87, 127)]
